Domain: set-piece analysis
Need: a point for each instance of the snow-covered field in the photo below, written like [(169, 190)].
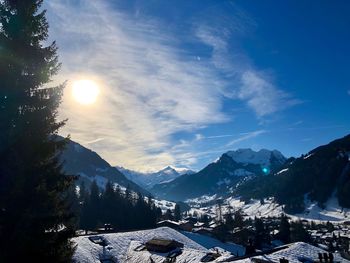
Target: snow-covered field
[(164, 205), (332, 212)]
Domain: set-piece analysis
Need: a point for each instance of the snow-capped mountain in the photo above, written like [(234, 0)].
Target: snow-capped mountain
[(263, 157), (148, 180), (89, 166), (318, 175), (223, 175)]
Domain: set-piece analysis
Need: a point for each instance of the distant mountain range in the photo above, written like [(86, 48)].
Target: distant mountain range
[(315, 176), (89, 166), (148, 180), (223, 176)]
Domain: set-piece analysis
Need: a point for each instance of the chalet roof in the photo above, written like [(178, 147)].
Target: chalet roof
[(162, 245), (169, 222)]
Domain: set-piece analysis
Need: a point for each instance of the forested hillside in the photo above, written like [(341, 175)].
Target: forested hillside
[(317, 174)]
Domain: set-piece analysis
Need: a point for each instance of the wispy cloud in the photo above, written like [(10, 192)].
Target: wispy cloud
[(151, 88), (254, 87), (262, 95), (246, 137), (187, 157)]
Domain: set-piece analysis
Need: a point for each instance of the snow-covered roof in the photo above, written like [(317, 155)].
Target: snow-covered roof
[(123, 247), (188, 255), (296, 251), (168, 221), (210, 242), (118, 243)]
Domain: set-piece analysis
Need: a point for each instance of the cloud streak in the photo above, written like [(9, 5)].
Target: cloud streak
[(151, 88), (255, 88)]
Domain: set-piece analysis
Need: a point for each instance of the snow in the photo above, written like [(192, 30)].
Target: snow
[(332, 212), (261, 157), (210, 242), (308, 156), (149, 179), (282, 171), (202, 199), (296, 251), (188, 255), (164, 205), (124, 247), (118, 244)]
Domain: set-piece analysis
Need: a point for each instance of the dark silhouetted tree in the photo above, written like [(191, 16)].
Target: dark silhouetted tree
[(284, 230), (238, 220), (33, 188), (299, 233), (177, 212), (168, 215), (91, 206)]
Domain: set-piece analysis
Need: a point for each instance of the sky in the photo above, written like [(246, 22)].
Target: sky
[(181, 82)]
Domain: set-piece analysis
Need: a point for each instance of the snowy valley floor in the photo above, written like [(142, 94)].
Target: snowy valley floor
[(332, 211)]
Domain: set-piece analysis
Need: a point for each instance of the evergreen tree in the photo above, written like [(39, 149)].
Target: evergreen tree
[(168, 215), (229, 220), (108, 203), (82, 192), (260, 234), (205, 220), (299, 233), (238, 220), (89, 216), (33, 188), (284, 231), (159, 213), (177, 212)]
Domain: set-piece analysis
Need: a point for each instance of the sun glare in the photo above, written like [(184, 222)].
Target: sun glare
[(85, 91)]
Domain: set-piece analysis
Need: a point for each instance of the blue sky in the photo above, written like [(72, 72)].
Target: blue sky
[(184, 81)]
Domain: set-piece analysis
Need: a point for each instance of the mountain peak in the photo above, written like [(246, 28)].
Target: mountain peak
[(262, 157), (149, 179)]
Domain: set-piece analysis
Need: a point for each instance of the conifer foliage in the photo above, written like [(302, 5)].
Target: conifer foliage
[(123, 210), (34, 215)]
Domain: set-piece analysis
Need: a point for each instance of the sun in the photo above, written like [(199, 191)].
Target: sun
[(85, 91)]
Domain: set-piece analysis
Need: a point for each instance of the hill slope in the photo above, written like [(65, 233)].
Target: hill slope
[(81, 161)]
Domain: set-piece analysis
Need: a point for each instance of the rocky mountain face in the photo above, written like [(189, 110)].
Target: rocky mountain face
[(223, 176), (315, 176), (148, 180), (89, 166)]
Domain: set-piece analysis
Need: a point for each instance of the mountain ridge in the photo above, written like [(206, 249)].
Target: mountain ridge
[(231, 168), (89, 166), (318, 174), (149, 179)]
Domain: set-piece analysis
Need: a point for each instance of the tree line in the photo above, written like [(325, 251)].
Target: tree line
[(123, 210)]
